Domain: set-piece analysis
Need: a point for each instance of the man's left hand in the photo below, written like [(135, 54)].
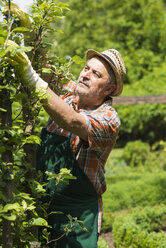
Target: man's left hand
[(21, 60)]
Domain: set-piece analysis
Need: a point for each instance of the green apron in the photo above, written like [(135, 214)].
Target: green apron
[(79, 198)]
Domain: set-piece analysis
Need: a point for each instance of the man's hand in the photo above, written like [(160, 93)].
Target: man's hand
[(17, 12), (21, 60)]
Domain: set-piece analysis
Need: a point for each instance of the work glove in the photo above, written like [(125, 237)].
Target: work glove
[(24, 20), (21, 60)]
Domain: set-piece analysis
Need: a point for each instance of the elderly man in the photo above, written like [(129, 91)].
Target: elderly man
[(79, 136)]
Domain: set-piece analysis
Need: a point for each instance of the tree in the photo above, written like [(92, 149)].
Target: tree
[(137, 29)]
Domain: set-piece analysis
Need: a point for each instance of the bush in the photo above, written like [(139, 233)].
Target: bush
[(141, 228), (134, 189), (140, 121), (136, 153), (102, 243), (159, 146), (108, 219), (159, 152)]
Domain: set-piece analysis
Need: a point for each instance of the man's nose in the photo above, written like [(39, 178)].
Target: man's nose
[(86, 74)]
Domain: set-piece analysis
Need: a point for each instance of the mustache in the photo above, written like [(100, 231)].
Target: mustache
[(84, 81)]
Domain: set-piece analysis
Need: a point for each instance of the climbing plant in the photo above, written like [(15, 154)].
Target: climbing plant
[(21, 187)]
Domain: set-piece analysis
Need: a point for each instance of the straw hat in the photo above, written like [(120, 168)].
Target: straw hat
[(115, 60)]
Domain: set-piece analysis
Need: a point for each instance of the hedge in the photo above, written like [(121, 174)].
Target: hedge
[(142, 228)]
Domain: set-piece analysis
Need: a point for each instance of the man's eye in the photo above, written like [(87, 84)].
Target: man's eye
[(97, 74)]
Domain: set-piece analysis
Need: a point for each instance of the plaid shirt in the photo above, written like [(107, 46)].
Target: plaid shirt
[(103, 126)]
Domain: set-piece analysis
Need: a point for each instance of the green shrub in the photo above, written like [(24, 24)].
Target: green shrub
[(141, 228), (102, 243), (159, 146), (107, 222), (136, 153), (159, 154), (134, 189), (142, 121)]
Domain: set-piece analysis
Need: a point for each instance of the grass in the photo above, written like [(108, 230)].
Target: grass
[(102, 243), (130, 187), (114, 161)]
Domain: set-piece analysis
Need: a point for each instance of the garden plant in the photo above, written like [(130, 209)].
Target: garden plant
[(21, 187)]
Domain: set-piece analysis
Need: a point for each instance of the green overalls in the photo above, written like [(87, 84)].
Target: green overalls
[(79, 198)]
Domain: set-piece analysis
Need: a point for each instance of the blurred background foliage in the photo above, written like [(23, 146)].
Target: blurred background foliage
[(137, 29)]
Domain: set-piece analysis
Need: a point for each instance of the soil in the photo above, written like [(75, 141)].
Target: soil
[(108, 238)]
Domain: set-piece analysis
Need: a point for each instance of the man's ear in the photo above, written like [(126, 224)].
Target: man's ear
[(109, 89)]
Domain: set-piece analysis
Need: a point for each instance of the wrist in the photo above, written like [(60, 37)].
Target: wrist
[(33, 79)]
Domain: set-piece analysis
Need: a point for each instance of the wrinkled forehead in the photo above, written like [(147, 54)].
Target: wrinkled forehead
[(99, 63)]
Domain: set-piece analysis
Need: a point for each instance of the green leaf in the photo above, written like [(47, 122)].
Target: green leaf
[(24, 204), (31, 207), (3, 33), (10, 218), (46, 70), (50, 175), (24, 49), (85, 229), (14, 206), (70, 217), (38, 222), (33, 139), (44, 6), (3, 110), (60, 17), (56, 212), (16, 127), (78, 60), (38, 187), (63, 6), (2, 149), (67, 176), (2, 40), (2, 52), (24, 196), (81, 223), (59, 31), (21, 29)]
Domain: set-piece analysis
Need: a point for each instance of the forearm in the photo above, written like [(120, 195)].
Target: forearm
[(65, 116)]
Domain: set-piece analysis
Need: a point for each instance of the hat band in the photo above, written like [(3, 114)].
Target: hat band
[(110, 60)]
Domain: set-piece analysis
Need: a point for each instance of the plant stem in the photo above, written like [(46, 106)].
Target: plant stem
[(7, 157), (56, 239)]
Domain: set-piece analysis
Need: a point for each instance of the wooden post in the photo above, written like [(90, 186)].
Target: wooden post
[(139, 99)]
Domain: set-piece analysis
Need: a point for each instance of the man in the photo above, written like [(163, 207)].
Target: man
[(80, 134)]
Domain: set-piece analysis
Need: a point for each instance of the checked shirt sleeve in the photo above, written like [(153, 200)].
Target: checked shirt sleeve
[(103, 127)]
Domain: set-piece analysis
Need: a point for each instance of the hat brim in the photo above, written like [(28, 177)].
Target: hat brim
[(92, 53)]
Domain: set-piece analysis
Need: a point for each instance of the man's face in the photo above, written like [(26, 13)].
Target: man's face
[(92, 81)]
